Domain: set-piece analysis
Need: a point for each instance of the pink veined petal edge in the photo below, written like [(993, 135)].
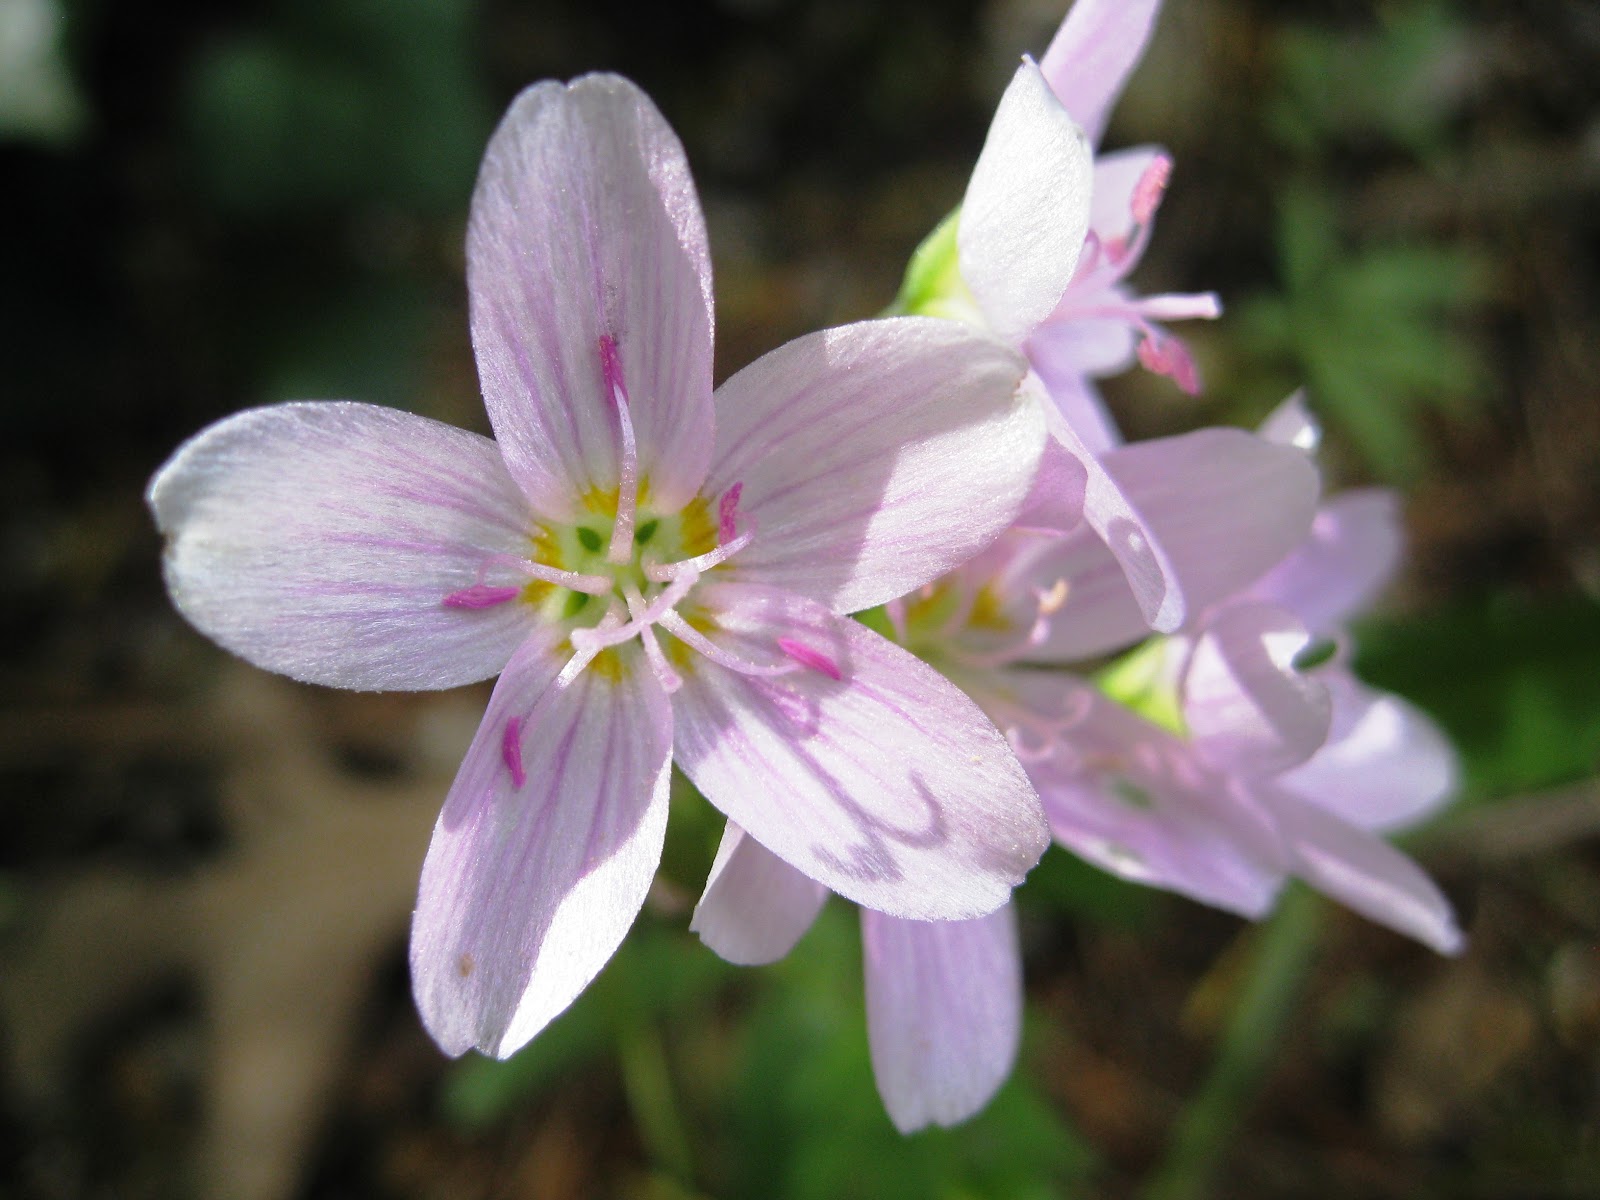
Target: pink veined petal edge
[(1361, 870), (1352, 553), (874, 457), (1386, 765), (1184, 523), (944, 1013), (755, 906), (1126, 796), (1026, 208), (1091, 56), (886, 783), (319, 540), (543, 854), (1248, 709), (585, 223)]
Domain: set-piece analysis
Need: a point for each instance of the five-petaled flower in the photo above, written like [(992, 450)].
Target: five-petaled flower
[(654, 571)]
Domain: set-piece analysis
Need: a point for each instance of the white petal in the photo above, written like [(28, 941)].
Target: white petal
[(320, 540), (1026, 209), (1385, 766), (1248, 708), (944, 1013), (875, 457), (1093, 53), (585, 224), (543, 854), (1361, 870), (876, 777), (755, 906)]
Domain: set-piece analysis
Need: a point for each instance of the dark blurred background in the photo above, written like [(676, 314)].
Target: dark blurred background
[(206, 872)]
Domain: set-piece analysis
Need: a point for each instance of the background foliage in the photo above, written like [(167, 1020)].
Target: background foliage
[(205, 875)]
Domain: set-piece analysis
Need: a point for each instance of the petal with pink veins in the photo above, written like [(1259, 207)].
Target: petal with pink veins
[(545, 849), (1026, 208), (585, 225), (885, 784), (1361, 870), (1250, 710), (1352, 552), (874, 457), (944, 1013), (755, 906), (1386, 765), (1130, 797), (321, 539), (1183, 522), (1091, 56)]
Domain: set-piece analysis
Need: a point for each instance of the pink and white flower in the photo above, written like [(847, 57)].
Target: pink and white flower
[(654, 571)]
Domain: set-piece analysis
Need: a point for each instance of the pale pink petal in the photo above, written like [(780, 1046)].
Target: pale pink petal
[(755, 906), (585, 225), (1026, 208), (1130, 797), (545, 849), (320, 541), (1386, 765), (1249, 709), (1293, 424), (1093, 53), (874, 457), (1183, 523), (868, 772), (1351, 554), (1072, 346), (1361, 870), (944, 1013)]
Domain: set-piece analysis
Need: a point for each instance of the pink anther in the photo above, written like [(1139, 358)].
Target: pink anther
[(728, 512), (480, 595), (1168, 356), (1148, 191), (511, 751), (808, 657)]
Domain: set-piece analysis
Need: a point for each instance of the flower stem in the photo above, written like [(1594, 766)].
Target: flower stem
[(1208, 1126), (647, 1082)]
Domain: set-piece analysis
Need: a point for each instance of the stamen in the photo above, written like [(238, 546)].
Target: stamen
[(728, 511), (646, 616), (1169, 356), (583, 652), (1050, 602), (808, 656), (480, 595), (621, 548), (671, 681), (674, 624), (511, 751), (593, 585), (1148, 191), (663, 572)]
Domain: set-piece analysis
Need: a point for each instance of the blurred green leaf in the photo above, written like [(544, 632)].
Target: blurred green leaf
[(1374, 332), (809, 1122), (661, 971), (332, 103), (1516, 684), (1408, 72)]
